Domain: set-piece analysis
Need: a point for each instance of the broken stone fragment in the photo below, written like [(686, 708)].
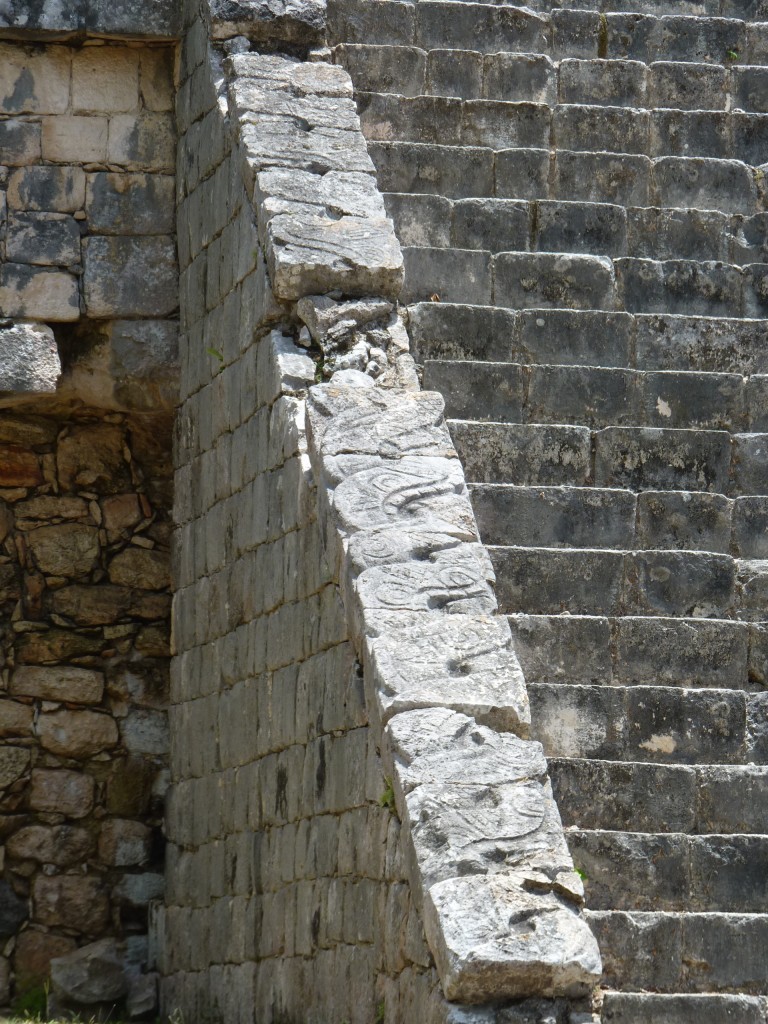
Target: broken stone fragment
[(297, 22), (29, 359), (93, 974)]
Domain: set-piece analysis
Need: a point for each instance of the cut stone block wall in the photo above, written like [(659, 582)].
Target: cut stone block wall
[(84, 606)]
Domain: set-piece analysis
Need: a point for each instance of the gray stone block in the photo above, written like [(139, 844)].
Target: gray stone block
[(691, 343), (541, 581), (454, 275), (724, 185), (596, 228), (474, 390), (444, 331), (43, 239), (391, 23), (730, 799), (519, 76), (750, 527), (691, 133), (30, 359), (687, 86), (563, 648), (736, 884), (529, 454), (410, 167), (642, 949), (48, 189), (688, 520), (613, 129), (602, 82), (679, 286), (665, 234), (19, 142), (602, 178), (544, 280), (130, 204), (587, 338), (421, 220), (424, 119), (675, 726), (749, 86), (749, 464), (576, 33), (130, 276), (522, 173), (36, 293), (491, 29), (295, 23), (687, 583), (631, 1008), (390, 69), (710, 401), (454, 73), (588, 396), (495, 224), (652, 459), (137, 19), (501, 125)]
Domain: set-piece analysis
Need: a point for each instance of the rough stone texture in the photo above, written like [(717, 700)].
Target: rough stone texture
[(29, 359)]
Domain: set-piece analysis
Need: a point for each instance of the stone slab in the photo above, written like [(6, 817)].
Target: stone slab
[(29, 359)]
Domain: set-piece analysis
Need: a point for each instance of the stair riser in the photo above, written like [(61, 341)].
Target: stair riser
[(652, 1009), (631, 651), (655, 724)]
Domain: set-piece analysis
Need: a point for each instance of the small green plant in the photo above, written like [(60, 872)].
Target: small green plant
[(215, 353), (387, 798), (381, 1009), (732, 55), (582, 874), (32, 1004)]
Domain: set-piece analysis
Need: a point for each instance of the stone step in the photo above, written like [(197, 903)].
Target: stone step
[(586, 34), (636, 458), (598, 229), (593, 517), (441, 330), (656, 798), (478, 172), (672, 871), (536, 78), (642, 1008), (691, 952), (658, 724), (593, 581), (507, 392), (502, 125), (641, 651)]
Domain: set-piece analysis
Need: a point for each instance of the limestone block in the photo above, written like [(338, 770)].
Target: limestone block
[(37, 293), (124, 843), (139, 890), (303, 78), (93, 974), (52, 189), (14, 762), (492, 941), (34, 81), (76, 902), (294, 369), (254, 101), (156, 79), (61, 792), (370, 421), (61, 682), (105, 78), (130, 204), (16, 719), (43, 239), (461, 662), (294, 22), (335, 193), (130, 276), (77, 734), (70, 549), (285, 144), (29, 359), (143, 142), (139, 19), (67, 139), (145, 732), (20, 142), (62, 845), (311, 254)]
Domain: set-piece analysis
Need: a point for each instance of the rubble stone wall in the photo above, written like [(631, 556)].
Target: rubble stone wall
[(84, 607), (88, 382)]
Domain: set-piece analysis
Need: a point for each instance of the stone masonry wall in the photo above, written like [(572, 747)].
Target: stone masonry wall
[(88, 379), (84, 607)]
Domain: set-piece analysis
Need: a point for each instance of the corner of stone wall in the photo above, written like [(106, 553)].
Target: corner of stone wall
[(290, 275)]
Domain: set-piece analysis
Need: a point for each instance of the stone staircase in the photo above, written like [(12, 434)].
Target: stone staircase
[(582, 209)]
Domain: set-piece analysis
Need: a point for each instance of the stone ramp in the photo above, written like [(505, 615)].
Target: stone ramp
[(581, 205)]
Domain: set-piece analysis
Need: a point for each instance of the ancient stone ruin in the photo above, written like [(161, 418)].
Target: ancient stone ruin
[(383, 518)]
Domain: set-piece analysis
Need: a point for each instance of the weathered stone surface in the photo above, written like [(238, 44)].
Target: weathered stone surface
[(45, 294), (92, 457), (33, 954), (335, 193), (64, 682), (93, 974), (78, 734), (284, 145), (43, 239), (146, 569), (124, 843), (139, 890), (369, 421), (69, 139), (297, 22), (62, 845), (142, 142), (311, 254), (51, 189), (19, 142), (130, 276), (458, 662), (130, 204), (62, 792), (71, 549), (29, 359), (14, 761), (91, 605), (19, 467), (489, 936), (78, 902), (145, 732), (15, 719), (33, 82)]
